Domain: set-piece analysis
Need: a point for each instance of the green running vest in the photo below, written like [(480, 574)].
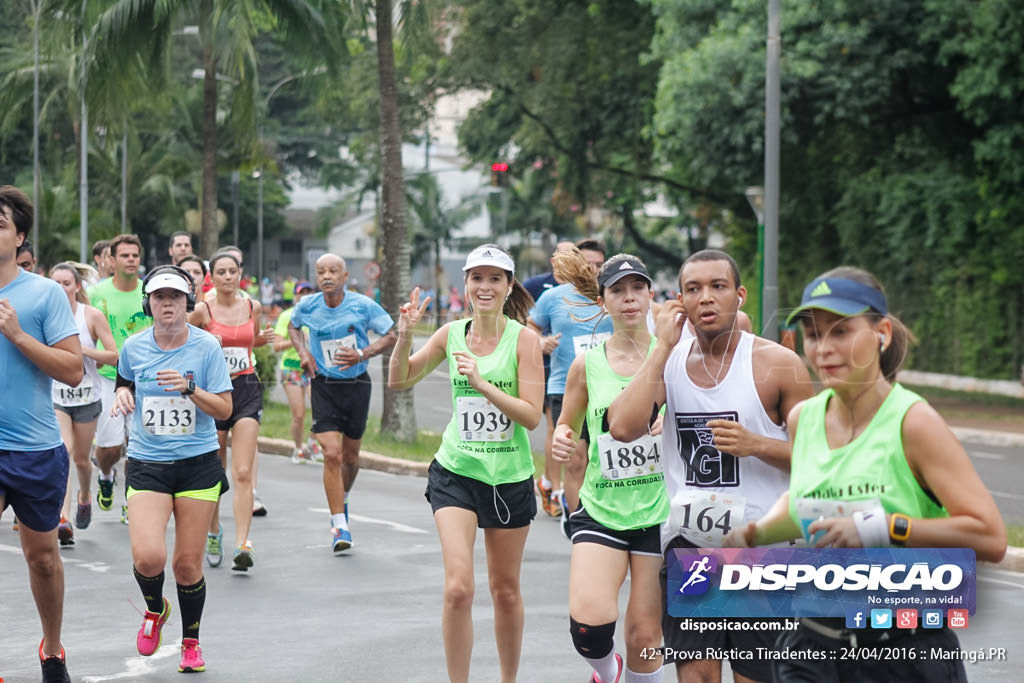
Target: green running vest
[(480, 442), (624, 486), (873, 465)]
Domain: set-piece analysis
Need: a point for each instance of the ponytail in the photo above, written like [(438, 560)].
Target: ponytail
[(570, 266), (519, 302), (891, 359), (81, 272)]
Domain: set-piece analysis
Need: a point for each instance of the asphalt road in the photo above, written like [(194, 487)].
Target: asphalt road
[(1000, 467), (371, 614)]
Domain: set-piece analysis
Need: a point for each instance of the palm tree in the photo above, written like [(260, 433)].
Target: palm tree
[(434, 223), (227, 30), (398, 416)]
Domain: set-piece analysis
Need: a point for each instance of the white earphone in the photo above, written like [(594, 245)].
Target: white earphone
[(740, 303), (881, 341)]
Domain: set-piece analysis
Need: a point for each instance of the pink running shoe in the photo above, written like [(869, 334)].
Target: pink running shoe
[(148, 640), (191, 657)]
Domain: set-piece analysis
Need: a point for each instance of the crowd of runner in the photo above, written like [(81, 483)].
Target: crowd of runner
[(678, 400)]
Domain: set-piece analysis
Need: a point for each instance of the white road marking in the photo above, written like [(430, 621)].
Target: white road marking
[(1011, 496), (987, 456), (98, 567), (138, 666), (373, 520), (987, 579)]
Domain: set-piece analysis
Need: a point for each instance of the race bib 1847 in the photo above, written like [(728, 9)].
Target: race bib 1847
[(68, 396)]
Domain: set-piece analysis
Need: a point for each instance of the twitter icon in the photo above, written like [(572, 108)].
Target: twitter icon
[(881, 618)]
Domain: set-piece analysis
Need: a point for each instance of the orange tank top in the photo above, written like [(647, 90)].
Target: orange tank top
[(237, 342)]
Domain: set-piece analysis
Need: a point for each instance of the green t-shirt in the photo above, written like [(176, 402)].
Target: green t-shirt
[(289, 357), (123, 311), (624, 485), (481, 442), (871, 467), (288, 290)]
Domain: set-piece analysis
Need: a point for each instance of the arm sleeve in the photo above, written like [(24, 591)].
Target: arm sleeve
[(380, 321), (218, 379), (59, 323), (124, 366), (540, 313), (298, 316)]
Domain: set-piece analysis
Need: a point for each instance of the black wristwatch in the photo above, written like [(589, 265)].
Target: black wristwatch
[(190, 388)]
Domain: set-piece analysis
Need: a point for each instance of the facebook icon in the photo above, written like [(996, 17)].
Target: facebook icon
[(855, 618)]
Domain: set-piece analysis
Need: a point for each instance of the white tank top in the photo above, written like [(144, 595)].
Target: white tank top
[(684, 335), (87, 390), (87, 342), (711, 492)]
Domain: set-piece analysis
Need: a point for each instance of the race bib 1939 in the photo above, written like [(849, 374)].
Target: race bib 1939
[(480, 420), (168, 415), (633, 459)]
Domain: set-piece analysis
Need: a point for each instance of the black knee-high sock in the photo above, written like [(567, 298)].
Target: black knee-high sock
[(152, 590), (191, 600)]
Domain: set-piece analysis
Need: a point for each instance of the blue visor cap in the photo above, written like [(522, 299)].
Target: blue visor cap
[(839, 296)]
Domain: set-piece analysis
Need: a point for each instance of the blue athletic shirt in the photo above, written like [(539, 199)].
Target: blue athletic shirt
[(27, 421), (554, 315), (157, 410), (343, 325)]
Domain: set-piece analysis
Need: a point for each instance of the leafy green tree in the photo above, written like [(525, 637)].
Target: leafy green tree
[(227, 31), (887, 159)]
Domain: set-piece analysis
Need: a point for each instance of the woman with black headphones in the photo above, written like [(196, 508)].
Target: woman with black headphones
[(173, 382)]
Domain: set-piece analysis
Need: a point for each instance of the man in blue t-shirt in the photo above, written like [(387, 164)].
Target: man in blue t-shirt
[(38, 342), (564, 336), (339, 347)]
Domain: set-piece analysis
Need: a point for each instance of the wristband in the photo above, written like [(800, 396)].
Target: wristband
[(899, 529), (871, 527), (362, 356)]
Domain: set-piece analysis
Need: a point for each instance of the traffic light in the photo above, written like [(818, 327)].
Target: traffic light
[(499, 174)]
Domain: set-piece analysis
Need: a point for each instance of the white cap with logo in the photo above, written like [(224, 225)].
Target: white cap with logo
[(489, 256), (168, 281)]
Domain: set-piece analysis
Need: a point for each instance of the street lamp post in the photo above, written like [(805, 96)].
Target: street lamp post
[(770, 301), (36, 180), (259, 172), (755, 197)]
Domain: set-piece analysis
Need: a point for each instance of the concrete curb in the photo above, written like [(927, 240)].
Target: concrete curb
[(1014, 560), (986, 437), (368, 460)]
